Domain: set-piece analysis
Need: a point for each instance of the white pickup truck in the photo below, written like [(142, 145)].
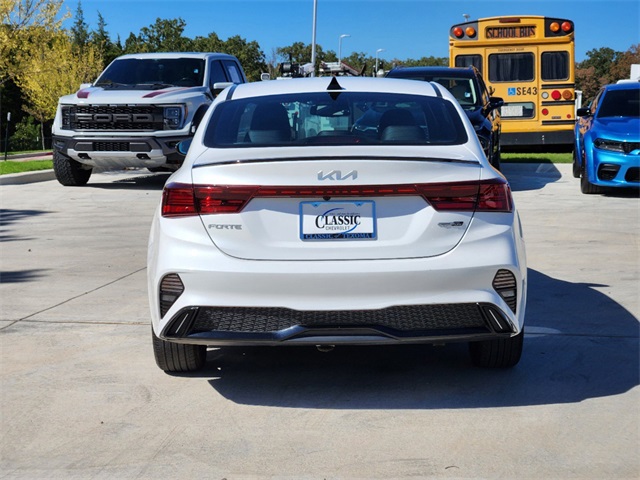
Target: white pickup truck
[(137, 111)]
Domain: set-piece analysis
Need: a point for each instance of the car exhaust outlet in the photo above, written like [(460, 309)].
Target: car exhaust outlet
[(325, 348)]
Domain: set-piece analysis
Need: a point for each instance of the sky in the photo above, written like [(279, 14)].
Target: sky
[(403, 28)]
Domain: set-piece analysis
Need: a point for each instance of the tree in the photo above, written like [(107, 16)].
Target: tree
[(210, 43), (162, 36), (621, 68), (249, 54), (102, 41), (604, 66), (53, 69), (25, 22), (79, 30)]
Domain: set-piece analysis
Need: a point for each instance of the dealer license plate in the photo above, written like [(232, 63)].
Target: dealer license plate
[(338, 220)]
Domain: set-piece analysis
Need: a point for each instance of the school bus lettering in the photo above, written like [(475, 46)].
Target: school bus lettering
[(522, 91), (510, 32)]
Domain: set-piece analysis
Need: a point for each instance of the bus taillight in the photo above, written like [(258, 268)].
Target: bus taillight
[(556, 95), (567, 95)]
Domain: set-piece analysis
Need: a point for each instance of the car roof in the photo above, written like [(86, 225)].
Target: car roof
[(442, 71), (337, 84), (169, 55)]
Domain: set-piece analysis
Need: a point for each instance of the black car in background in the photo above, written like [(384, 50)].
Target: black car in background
[(467, 86)]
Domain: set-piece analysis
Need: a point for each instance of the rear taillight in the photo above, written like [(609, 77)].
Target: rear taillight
[(185, 200)]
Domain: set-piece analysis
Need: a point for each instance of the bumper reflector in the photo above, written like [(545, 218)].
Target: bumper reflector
[(505, 284), (171, 288)]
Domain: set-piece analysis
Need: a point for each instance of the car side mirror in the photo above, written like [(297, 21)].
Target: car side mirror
[(183, 146), (583, 112), (494, 102)]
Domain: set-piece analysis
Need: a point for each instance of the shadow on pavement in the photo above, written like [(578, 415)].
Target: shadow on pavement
[(137, 180), (530, 176), (10, 216), (22, 276), (580, 344)]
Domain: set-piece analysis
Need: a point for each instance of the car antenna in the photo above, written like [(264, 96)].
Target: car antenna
[(333, 86)]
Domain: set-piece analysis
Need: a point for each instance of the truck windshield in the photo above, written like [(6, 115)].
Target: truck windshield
[(153, 73)]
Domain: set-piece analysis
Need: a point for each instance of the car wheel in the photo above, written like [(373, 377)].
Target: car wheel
[(586, 186), (178, 357), (69, 172), (498, 353), (576, 165)]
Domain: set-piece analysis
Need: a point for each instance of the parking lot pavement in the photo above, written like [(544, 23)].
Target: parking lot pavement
[(81, 396)]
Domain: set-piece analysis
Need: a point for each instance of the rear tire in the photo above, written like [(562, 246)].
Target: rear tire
[(498, 353), (178, 357), (69, 172)]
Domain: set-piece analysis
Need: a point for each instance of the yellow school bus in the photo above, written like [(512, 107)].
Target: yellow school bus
[(529, 61)]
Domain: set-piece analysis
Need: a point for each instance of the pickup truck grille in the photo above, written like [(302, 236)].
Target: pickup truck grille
[(112, 117)]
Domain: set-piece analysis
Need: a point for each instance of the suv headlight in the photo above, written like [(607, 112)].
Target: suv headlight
[(174, 117)]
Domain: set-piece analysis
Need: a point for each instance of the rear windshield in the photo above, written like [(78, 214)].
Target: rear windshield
[(335, 118), (620, 103), (153, 73)]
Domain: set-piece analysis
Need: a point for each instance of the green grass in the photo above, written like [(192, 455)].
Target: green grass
[(536, 157), (28, 166)]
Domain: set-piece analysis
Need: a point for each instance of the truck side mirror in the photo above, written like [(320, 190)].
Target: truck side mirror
[(220, 86)]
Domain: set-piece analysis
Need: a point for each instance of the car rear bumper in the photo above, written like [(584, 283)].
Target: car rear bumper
[(229, 301)]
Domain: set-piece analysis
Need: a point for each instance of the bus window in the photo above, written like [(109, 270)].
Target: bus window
[(469, 61), (511, 67), (555, 66)]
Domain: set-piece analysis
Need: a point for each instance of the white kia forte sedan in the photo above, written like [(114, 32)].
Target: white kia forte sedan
[(331, 211)]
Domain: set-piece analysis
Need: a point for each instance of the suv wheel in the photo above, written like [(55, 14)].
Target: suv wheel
[(178, 357), (69, 172), (586, 186), (498, 353)]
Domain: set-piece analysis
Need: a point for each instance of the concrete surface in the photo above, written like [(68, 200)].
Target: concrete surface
[(81, 396)]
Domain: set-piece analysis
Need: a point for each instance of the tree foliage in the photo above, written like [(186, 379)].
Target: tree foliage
[(603, 66), (22, 24), (53, 69)]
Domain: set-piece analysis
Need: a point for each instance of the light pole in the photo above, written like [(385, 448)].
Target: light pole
[(313, 39), (377, 52), (344, 35)]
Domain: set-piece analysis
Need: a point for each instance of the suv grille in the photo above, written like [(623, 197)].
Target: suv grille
[(113, 117)]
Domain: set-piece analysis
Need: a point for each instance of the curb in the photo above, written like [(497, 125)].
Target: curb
[(27, 177)]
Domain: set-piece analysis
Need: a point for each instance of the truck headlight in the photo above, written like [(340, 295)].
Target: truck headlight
[(173, 117)]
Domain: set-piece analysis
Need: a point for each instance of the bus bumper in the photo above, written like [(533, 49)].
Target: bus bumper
[(564, 137)]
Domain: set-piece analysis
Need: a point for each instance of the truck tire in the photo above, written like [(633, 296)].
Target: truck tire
[(69, 172), (498, 353), (178, 357)]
